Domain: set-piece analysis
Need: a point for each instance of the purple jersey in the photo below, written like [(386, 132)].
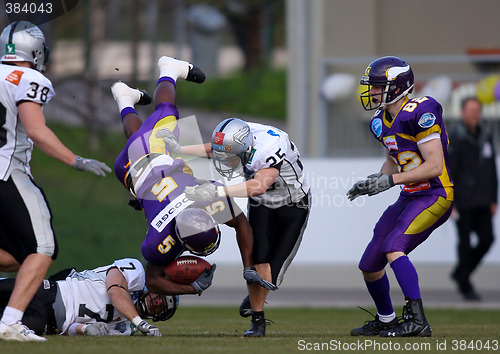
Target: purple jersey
[(418, 120), (158, 181)]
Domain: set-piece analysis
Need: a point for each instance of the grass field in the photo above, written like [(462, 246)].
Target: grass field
[(219, 330)]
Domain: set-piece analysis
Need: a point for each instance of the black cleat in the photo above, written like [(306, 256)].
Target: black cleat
[(245, 307), (373, 328), (414, 323), (258, 327), (195, 74), (145, 98)]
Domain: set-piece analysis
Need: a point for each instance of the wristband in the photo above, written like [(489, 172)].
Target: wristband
[(221, 191), (137, 320)]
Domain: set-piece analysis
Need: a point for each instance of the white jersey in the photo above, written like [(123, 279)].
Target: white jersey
[(272, 147), (18, 84), (85, 296)]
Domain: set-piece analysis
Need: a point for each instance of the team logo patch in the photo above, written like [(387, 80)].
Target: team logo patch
[(391, 143), (219, 138), (427, 120), (377, 127), (10, 48), (15, 77)]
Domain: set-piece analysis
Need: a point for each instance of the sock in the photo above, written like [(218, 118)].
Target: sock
[(407, 277), (173, 68), (386, 318), (12, 315), (379, 291), (126, 111), (166, 78)]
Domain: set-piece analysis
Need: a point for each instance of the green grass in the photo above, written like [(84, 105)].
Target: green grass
[(219, 330), (260, 93)]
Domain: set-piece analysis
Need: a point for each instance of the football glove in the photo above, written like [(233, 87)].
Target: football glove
[(358, 189), (148, 330), (170, 140), (251, 276), (379, 182), (96, 167), (96, 329), (204, 281), (205, 192)]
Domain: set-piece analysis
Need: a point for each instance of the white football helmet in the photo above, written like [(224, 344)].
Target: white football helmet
[(231, 147), (23, 41)]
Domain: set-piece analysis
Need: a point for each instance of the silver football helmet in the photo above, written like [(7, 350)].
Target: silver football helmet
[(23, 41), (156, 306), (231, 147)]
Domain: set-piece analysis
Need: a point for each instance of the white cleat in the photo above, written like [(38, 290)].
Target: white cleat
[(122, 91), (18, 332), (179, 69)]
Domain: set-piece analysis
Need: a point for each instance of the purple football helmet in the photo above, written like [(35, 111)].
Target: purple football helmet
[(393, 74), (197, 231)]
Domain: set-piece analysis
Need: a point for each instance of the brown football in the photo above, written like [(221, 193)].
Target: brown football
[(186, 269)]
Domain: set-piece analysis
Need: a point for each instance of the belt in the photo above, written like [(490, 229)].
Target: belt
[(136, 169)]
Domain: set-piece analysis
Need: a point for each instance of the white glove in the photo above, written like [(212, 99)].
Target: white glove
[(171, 142), (96, 329), (148, 330), (205, 192), (89, 165)]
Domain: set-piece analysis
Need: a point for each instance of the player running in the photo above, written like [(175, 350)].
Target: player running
[(414, 136)]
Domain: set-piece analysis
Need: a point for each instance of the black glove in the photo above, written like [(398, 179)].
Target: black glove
[(204, 281), (251, 276)]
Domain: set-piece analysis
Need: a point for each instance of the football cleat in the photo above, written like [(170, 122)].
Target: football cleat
[(373, 328), (414, 323), (18, 332), (179, 69), (122, 91), (245, 307), (258, 327)]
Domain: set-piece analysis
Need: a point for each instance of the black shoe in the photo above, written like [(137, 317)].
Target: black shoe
[(195, 74), (471, 296), (373, 328), (258, 327), (245, 307), (414, 322), (145, 98)]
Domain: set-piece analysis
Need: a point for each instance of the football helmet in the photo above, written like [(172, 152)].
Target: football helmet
[(393, 74), (197, 231), (231, 147), (156, 306), (23, 41)]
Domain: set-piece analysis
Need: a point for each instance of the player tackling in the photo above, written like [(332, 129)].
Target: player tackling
[(414, 136)]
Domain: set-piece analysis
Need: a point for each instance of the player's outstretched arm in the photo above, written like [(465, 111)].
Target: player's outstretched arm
[(33, 120)]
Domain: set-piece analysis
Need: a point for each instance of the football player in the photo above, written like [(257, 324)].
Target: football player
[(27, 241), (278, 192), (157, 180), (414, 136), (108, 300)]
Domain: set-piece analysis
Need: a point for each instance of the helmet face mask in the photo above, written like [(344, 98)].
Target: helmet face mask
[(23, 41), (157, 307), (197, 231), (395, 78), (231, 147)]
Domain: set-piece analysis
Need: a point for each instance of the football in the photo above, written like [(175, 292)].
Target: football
[(186, 269)]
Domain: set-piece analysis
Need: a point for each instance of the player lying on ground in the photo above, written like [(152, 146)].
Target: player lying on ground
[(109, 300)]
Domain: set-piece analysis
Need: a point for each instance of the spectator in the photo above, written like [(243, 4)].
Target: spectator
[(473, 170)]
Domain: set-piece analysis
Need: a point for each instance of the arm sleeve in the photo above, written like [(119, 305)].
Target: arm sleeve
[(133, 271), (34, 87)]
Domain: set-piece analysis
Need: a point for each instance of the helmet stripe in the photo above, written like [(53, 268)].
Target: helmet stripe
[(12, 29), (226, 123)]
